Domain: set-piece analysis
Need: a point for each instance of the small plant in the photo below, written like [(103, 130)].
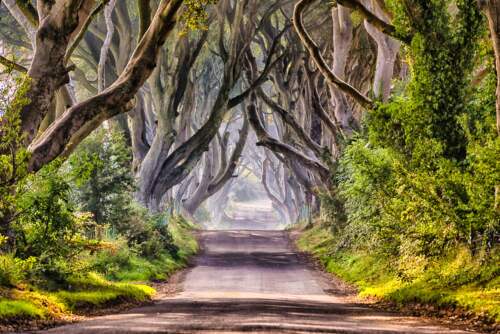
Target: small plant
[(13, 271)]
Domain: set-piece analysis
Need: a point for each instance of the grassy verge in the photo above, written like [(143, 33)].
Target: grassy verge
[(443, 284), (119, 277), (122, 265)]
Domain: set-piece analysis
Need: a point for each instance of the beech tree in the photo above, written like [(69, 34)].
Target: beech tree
[(48, 72), (308, 77)]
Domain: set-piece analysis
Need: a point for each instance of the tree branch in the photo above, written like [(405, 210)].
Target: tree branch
[(227, 174), (28, 10), (83, 30), (376, 21), (276, 146), (115, 99), (320, 62), (12, 65), (144, 9), (289, 119)]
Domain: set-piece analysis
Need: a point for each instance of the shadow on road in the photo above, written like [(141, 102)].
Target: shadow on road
[(257, 315)]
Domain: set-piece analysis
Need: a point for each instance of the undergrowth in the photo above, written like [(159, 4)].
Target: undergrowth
[(119, 274), (457, 280)]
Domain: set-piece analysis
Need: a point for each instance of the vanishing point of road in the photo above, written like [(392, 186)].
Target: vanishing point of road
[(253, 281)]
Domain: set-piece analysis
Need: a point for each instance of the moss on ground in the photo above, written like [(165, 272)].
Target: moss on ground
[(94, 291), (20, 309), (442, 284)]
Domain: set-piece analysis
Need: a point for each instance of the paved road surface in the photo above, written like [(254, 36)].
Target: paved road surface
[(252, 281)]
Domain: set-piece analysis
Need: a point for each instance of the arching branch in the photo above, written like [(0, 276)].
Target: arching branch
[(320, 62), (289, 119), (275, 145), (115, 99)]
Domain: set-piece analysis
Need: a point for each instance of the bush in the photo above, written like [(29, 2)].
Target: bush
[(13, 271), (48, 228), (101, 170), (111, 261), (148, 233), (419, 183)]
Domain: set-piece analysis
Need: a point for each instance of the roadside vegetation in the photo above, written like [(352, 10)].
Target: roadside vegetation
[(106, 273), (455, 281), (77, 240), (414, 215), (379, 120)]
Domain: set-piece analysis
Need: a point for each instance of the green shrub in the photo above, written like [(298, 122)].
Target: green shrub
[(48, 228), (101, 169), (148, 233), (111, 261), (13, 271)]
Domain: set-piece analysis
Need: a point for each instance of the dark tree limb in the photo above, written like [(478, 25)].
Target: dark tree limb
[(289, 119), (270, 63), (320, 62), (275, 145), (144, 9), (12, 65), (83, 30), (28, 10), (228, 173)]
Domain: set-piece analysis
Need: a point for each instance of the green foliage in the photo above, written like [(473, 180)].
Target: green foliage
[(89, 290), (148, 233), (19, 309), (457, 280), (418, 186), (365, 184), (406, 210), (47, 222), (125, 263), (13, 271), (101, 168), (422, 180), (195, 15), (442, 55), (73, 218), (13, 155), (47, 227)]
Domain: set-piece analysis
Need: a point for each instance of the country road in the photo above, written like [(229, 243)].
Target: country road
[(253, 281)]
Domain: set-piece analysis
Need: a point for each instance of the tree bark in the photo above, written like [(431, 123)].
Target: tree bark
[(320, 62), (79, 120), (47, 72), (387, 51), (342, 42), (110, 30)]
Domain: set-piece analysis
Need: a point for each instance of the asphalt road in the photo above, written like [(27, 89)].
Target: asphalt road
[(253, 281)]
